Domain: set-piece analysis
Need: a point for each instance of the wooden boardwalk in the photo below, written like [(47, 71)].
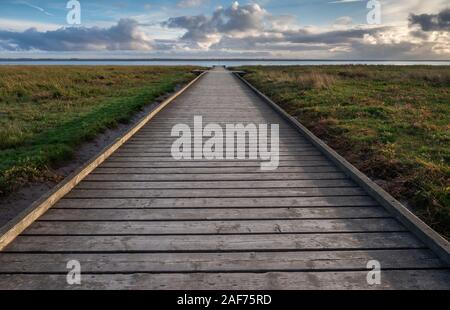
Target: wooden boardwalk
[(144, 220)]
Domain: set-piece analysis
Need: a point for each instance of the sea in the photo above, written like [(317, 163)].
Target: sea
[(210, 63)]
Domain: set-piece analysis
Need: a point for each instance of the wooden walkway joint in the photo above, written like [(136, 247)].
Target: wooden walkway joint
[(140, 219)]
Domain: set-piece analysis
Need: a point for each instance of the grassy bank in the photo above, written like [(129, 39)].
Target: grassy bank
[(393, 123), (46, 112)]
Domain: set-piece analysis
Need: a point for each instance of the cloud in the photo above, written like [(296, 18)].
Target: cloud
[(343, 21), (251, 26), (203, 31), (333, 36), (189, 3), (21, 25), (125, 35), (432, 22)]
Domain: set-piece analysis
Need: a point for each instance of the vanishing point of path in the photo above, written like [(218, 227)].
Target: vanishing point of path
[(146, 221)]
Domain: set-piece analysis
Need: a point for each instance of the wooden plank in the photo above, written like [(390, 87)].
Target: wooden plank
[(252, 145), (180, 193), (164, 152), (204, 160), (118, 228), (309, 172), (189, 120), (393, 279), (215, 184), (310, 163), (219, 262), (246, 146), (170, 138), (163, 156), (186, 177), (56, 214), (167, 136), (330, 201), (227, 243), (155, 135), (149, 153), (150, 147)]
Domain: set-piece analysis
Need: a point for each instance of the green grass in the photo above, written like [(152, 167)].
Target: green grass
[(46, 112), (393, 123)]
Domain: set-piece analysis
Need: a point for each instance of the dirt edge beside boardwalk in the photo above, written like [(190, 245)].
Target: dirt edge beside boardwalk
[(13, 204)]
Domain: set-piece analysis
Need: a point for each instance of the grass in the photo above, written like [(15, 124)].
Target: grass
[(393, 123), (46, 112)]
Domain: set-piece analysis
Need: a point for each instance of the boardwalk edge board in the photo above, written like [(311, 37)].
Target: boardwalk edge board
[(425, 233), (24, 219)]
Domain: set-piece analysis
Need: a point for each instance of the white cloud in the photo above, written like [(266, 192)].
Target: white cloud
[(343, 21), (21, 25)]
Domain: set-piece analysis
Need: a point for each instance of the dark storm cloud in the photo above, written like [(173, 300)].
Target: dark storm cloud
[(432, 22), (123, 36)]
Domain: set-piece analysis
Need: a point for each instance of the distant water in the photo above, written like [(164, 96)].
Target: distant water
[(210, 63)]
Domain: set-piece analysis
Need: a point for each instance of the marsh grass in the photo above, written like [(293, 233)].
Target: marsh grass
[(47, 111), (393, 123), (305, 81)]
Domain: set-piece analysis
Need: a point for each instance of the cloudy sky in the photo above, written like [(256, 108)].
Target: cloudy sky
[(306, 29)]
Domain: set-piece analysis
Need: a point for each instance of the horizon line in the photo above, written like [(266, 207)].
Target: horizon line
[(213, 59)]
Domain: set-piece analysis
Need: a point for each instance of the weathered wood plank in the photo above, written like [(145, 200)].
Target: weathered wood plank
[(167, 156), (219, 262), (56, 214), (197, 243), (247, 145), (185, 177), (153, 135), (175, 164), (204, 160), (150, 153), (288, 140), (171, 203), (167, 149), (393, 279), (212, 227), (223, 193), (215, 184), (244, 147), (299, 173)]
